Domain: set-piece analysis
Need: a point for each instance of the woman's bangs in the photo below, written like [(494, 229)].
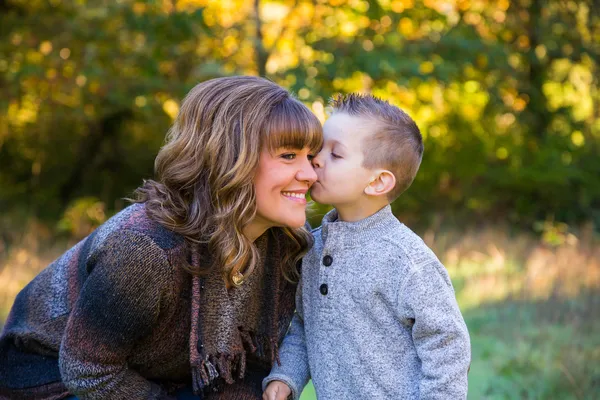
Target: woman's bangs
[(291, 125)]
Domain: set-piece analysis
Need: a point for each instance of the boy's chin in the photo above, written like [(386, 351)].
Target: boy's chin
[(316, 197)]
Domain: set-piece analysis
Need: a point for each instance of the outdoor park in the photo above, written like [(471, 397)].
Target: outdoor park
[(506, 93)]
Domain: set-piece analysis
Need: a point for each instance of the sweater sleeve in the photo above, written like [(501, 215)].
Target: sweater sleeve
[(119, 303), (293, 370), (439, 332)]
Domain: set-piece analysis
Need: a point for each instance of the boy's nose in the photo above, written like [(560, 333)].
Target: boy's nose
[(306, 173), (316, 161)]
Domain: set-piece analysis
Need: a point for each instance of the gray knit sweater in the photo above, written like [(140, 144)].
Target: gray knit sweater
[(376, 317)]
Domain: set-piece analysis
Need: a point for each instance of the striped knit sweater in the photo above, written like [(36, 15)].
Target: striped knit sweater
[(112, 319)]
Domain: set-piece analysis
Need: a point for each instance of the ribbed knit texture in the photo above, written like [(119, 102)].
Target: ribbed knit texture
[(111, 319), (386, 327)]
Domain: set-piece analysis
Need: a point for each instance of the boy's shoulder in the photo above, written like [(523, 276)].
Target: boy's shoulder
[(416, 255), (404, 242)]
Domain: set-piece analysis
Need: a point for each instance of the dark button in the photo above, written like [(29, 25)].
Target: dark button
[(200, 346), (327, 260), (323, 289)]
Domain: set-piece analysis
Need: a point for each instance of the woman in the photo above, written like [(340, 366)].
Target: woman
[(191, 285)]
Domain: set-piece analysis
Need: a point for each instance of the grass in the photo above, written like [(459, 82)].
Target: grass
[(532, 306)]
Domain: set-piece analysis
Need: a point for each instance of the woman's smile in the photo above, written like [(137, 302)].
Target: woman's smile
[(298, 196)]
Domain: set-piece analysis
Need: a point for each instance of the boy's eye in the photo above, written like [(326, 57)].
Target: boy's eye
[(310, 157), (289, 156)]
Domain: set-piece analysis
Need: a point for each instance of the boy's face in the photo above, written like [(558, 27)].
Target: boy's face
[(341, 178)]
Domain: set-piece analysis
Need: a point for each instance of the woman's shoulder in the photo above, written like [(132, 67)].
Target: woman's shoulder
[(135, 220), (131, 241)]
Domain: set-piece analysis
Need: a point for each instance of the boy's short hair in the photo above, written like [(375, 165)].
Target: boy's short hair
[(396, 143)]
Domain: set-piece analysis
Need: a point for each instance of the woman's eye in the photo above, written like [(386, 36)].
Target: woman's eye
[(289, 156), (335, 155)]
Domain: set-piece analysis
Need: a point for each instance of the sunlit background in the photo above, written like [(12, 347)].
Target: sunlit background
[(506, 94)]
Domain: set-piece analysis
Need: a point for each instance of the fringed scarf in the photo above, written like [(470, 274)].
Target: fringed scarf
[(226, 326)]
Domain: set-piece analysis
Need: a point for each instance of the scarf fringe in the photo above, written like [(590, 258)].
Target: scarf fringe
[(226, 365)]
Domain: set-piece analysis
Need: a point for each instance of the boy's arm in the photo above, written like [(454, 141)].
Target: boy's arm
[(439, 332), (293, 370)]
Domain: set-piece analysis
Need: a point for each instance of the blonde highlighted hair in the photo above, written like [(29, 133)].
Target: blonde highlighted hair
[(395, 144), (204, 173)]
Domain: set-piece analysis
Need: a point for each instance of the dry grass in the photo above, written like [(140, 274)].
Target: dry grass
[(487, 265)]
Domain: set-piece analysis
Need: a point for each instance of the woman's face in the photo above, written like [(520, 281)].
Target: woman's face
[(281, 182)]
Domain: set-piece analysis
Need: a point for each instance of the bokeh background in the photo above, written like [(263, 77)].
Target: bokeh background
[(506, 94)]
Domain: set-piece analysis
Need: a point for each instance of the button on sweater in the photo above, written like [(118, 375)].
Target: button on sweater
[(376, 317)]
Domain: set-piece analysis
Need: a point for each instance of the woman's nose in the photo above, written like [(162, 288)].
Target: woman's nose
[(306, 173)]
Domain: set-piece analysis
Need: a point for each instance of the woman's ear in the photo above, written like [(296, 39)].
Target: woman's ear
[(381, 183)]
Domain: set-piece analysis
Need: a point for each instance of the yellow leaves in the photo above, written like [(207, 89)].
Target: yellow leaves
[(499, 16), (166, 67), (51, 73), (505, 120), (464, 5), (425, 92), (472, 86), (34, 57), (361, 6), (45, 47), (574, 92), (502, 153), (65, 53), (80, 80), (426, 67), (140, 101), (349, 28), (82, 216), (94, 87), (406, 27), (319, 110), (304, 93), (577, 138), (519, 104), (273, 12), (185, 5), (398, 6), (523, 42), (227, 13), (138, 8), (503, 4), (24, 113), (358, 82), (386, 21), (68, 70), (472, 18), (171, 108)]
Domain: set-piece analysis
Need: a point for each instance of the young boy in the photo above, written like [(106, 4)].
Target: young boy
[(376, 313)]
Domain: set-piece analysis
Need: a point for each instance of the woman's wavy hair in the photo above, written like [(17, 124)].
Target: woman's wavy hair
[(203, 187)]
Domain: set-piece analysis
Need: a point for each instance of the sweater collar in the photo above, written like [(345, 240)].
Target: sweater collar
[(363, 231)]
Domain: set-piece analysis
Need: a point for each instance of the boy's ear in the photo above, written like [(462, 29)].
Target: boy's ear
[(381, 184)]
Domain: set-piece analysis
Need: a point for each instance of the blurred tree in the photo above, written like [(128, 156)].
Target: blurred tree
[(506, 92)]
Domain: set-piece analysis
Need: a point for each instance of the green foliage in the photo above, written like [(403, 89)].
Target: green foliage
[(505, 92)]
